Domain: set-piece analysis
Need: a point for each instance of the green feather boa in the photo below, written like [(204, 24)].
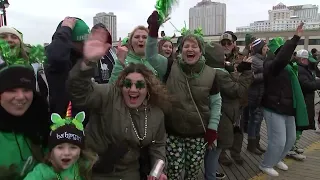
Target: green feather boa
[(11, 56)]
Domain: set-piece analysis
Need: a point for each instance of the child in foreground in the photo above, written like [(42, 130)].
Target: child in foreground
[(66, 158)]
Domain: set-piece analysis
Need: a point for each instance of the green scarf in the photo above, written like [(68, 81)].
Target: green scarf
[(194, 70), (298, 98)]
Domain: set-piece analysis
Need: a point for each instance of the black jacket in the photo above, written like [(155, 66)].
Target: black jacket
[(62, 56), (308, 85), (104, 68), (278, 95)]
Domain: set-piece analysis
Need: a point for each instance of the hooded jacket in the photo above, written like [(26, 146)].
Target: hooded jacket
[(232, 87), (62, 56)]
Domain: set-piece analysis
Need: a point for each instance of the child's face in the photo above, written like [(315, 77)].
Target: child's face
[(64, 155)]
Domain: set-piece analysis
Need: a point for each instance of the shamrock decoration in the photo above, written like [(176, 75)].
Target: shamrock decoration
[(10, 56), (37, 54), (198, 32), (59, 122)]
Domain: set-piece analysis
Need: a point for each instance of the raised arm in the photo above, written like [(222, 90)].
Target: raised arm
[(84, 92), (117, 68), (119, 60), (283, 57), (58, 51), (157, 61)]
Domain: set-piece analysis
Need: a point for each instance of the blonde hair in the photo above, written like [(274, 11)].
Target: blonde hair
[(23, 53), (143, 28)]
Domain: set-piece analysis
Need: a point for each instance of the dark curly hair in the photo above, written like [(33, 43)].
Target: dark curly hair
[(159, 95)]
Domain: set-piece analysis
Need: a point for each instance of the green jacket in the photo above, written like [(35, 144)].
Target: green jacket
[(232, 90), (110, 123), (132, 58), (44, 172), (16, 159)]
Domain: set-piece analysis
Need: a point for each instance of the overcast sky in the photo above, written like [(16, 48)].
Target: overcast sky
[(38, 19)]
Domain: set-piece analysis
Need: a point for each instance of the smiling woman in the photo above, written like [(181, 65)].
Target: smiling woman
[(14, 39), (23, 124), (128, 123), (137, 53)]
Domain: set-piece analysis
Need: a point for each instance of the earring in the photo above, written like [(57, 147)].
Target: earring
[(145, 102), (148, 96)]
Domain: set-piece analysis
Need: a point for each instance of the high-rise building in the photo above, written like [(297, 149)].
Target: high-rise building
[(307, 11), (109, 20), (284, 18), (210, 16)]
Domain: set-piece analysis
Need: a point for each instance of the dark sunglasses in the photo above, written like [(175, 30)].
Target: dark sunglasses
[(127, 83), (226, 42)]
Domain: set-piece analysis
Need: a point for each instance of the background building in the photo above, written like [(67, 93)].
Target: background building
[(309, 40), (109, 20), (210, 16), (286, 18)]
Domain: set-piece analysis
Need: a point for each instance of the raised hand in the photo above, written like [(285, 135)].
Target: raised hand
[(122, 52), (95, 47), (154, 24), (69, 22), (299, 30), (153, 19)]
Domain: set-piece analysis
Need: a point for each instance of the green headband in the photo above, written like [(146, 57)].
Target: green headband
[(59, 122)]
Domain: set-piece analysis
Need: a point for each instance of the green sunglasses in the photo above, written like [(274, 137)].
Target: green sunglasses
[(127, 83)]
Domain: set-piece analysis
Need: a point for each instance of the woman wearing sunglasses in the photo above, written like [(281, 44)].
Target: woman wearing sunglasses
[(127, 119)]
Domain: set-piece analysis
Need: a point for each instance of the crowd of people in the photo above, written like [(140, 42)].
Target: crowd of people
[(82, 109)]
